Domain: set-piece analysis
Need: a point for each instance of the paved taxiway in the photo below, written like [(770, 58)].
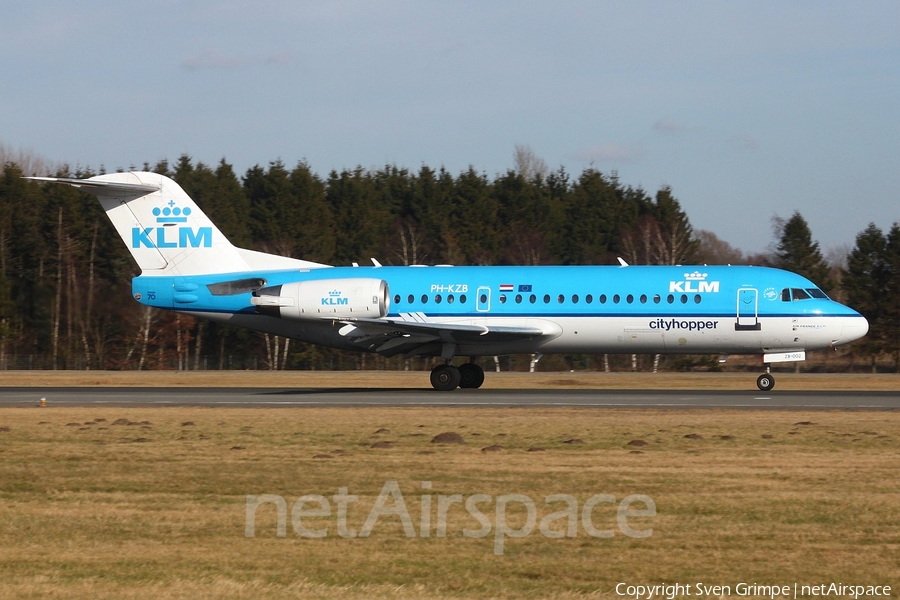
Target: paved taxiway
[(350, 397)]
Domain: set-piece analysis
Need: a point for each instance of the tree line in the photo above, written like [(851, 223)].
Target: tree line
[(65, 274)]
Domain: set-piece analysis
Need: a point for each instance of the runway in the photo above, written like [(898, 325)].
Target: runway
[(358, 397)]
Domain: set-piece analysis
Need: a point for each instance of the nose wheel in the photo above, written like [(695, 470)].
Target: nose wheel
[(765, 382)]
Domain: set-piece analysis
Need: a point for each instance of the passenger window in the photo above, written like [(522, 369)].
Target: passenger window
[(574, 298), (502, 298), (424, 298), (462, 299), (410, 298), (684, 298), (397, 299), (437, 298), (450, 299), (670, 298), (629, 298), (602, 298), (616, 299), (532, 298), (546, 298), (643, 298), (483, 299), (588, 298), (561, 299), (656, 298), (697, 298), (518, 298)]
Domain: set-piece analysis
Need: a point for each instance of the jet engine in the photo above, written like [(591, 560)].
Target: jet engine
[(350, 298)]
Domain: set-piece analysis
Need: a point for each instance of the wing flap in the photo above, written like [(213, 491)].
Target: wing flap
[(413, 332)]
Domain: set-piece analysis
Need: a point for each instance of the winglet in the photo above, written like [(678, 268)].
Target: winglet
[(622, 261)]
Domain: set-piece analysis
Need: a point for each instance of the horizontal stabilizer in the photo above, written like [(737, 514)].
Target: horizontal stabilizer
[(104, 188)]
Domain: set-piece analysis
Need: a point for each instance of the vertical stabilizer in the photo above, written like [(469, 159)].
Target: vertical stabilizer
[(165, 231)]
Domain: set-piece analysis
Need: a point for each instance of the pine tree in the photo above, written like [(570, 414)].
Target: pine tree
[(864, 282), (797, 252), (891, 292)]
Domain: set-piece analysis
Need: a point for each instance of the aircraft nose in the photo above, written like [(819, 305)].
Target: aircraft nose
[(853, 328)]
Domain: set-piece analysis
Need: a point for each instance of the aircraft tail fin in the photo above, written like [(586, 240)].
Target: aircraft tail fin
[(165, 230)]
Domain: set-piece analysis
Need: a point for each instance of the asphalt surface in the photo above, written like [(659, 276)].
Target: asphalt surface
[(355, 397)]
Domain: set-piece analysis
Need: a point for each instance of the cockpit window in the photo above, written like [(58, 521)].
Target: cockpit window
[(789, 294), (817, 293)]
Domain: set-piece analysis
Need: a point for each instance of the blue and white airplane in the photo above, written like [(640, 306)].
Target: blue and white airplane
[(187, 265)]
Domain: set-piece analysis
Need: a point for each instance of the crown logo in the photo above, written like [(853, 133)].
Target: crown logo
[(171, 213), (334, 293), (695, 276)]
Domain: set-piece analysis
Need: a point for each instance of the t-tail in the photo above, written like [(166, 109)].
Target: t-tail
[(165, 230)]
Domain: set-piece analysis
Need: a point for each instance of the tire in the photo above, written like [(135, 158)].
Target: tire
[(765, 382), (471, 376), (445, 378)]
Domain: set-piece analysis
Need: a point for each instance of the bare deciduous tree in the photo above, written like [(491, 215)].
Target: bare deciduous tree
[(528, 164)]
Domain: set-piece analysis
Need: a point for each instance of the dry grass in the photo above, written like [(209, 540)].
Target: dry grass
[(158, 509), (419, 379)]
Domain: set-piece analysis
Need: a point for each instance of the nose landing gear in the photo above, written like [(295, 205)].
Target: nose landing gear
[(765, 382)]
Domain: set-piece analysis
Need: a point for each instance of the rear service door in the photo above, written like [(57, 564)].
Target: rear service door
[(483, 299)]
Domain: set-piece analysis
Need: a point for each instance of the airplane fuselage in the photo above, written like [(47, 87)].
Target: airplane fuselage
[(586, 309)]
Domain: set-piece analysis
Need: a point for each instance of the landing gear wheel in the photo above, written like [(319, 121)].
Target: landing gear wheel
[(765, 382), (471, 376), (445, 378)]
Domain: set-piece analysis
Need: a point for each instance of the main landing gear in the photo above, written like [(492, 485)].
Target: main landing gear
[(446, 378)]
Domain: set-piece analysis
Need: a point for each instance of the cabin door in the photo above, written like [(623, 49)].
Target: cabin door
[(747, 310)]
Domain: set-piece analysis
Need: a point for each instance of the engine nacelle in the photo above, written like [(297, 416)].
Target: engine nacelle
[(350, 298)]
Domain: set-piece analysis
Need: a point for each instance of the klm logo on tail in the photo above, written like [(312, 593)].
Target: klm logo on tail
[(165, 236)]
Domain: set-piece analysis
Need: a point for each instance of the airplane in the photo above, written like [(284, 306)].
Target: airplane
[(446, 311)]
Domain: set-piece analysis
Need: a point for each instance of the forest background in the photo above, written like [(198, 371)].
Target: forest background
[(65, 276)]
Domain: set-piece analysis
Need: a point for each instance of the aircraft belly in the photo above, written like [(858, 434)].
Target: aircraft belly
[(314, 332)]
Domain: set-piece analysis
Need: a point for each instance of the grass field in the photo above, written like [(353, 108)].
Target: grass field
[(156, 506), (419, 379)]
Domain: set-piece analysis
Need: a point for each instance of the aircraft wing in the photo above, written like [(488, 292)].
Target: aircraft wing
[(413, 333)]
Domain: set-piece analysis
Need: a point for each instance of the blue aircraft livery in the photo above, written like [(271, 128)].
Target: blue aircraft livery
[(449, 312)]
